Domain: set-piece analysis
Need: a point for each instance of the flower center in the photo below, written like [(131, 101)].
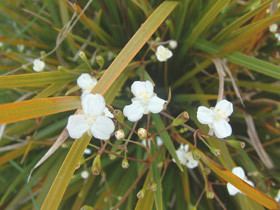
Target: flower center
[(219, 114), (90, 119), (144, 96)]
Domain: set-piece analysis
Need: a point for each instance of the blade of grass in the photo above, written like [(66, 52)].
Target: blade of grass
[(241, 59), (24, 110)]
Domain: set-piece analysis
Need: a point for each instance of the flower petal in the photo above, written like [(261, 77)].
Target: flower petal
[(163, 53), (190, 161), (156, 104), (138, 88), (77, 126), (222, 129), (238, 171), (205, 115), (225, 106), (86, 82), (102, 128), (181, 156), (134, 111), (93, 104), (232, 190), (108, 113)]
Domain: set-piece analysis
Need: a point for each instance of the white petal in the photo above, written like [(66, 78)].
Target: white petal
[(181, 156), (156, 104), (38, 65), (184, 147), (159, 141), (232, 190), (225, 107), (93, 104), (102, 128), (190, 161), (222, 129), (249, 182), (108, 113), (163, 53), (134, 111), (86, 82), (238, 171), (205, 115), (139, 88), (77, 126)]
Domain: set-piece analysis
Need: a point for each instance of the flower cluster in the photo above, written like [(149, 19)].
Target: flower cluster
[(186, 157), (238, 171)]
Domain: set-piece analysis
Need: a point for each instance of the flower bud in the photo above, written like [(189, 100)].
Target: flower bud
[(125, 163), (210, 194), (96, 165), (236, 144), (142, 133), (181, 119), (119, 134), (85, 174), (82, 55), (140, 194), (153, 187), (173, 44), (100, 61)]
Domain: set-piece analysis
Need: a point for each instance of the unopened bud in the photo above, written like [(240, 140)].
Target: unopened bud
[(173, 44), (82, 55), (119, 134), (181, 119), (142, 133), (96, 166), (85, 174), (100, 61), (236, 144), (125, 163), (153, 187), (140, 194), (210, 194), (119, 115)]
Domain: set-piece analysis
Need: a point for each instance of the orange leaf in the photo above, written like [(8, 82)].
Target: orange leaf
[(24, 110)]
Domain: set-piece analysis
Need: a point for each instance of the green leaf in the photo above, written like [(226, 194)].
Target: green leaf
[(241, 59), (166, 139)]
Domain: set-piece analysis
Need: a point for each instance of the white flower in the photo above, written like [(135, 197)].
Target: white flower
[(87, 151), (1, 44), (163, 53), (277, 36), (277, 197), (38, 65), (85, 174), (173, 44), (144, 102), (217, 118), (186, 157), (86, 82), (238, 171), (94, 119), (273, 28)]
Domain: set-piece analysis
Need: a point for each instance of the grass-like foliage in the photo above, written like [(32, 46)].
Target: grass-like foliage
[(197, 53)]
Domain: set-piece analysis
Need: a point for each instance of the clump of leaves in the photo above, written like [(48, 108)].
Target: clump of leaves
[(225, 50)]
